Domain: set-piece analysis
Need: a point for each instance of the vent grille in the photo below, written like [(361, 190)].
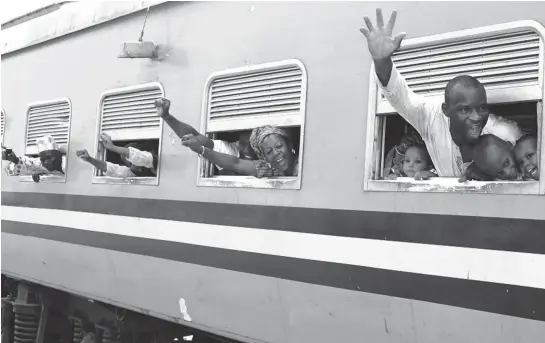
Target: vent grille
[(2, 125), (132, 110), (275, 91), (507, 60), (52, 119)]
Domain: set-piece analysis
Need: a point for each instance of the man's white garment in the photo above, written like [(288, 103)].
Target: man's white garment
[(225, 147), (136, 157), (428, 119)]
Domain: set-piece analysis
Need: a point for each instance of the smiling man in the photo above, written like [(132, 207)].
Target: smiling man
[(449, 129)]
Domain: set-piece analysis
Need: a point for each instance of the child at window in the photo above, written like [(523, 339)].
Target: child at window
[(409, 158), (526, 157), (493, 157), (137, 162)]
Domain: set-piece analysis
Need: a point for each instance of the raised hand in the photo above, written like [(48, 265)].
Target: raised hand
[(192, 143), (106, 141), (83, 154), (379, 39), (162, 105), (9, 155)]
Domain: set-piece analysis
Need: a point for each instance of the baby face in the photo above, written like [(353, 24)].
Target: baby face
[(498, 162), (415, 160), (526, 157)]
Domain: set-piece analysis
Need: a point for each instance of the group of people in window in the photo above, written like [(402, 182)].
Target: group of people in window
[(457, 138), (263, 152)]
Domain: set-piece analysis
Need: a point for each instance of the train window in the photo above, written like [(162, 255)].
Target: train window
[(128, 116), (48, 118), (239, 100), (507, 59)]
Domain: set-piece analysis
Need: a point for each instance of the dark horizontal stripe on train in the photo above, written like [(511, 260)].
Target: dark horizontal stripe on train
[(518, 301), (519, 235)]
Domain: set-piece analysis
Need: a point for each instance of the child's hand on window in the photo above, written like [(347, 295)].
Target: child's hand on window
[(474, 173), (424, 175)]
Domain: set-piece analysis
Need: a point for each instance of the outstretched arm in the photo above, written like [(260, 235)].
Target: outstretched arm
[(106, 141), (227, 162), (98, 164), (133, 155), (22, 165), (412, 107), (180, 128)]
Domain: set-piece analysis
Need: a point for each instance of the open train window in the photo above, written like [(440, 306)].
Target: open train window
[(239, 100), (507, 59), (48, 118), (128, 116)]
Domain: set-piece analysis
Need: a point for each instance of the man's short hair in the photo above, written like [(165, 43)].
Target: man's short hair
[(464, 81)]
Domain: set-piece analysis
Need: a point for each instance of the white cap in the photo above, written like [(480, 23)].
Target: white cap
[(46, 143)]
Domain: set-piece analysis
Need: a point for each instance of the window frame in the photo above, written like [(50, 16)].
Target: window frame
[(48, 178), (149, 181), (375, 130), (293, 183)]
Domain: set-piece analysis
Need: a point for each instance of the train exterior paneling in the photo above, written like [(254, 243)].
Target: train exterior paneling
[(326, 263)]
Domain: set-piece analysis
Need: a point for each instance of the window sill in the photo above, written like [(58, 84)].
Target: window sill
[(149, 181), (45, 178), (451, 185), (250, 182)]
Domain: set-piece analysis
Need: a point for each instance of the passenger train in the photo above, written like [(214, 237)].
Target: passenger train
[(337, 254)]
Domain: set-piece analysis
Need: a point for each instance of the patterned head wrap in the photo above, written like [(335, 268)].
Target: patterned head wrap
[(259, 134)]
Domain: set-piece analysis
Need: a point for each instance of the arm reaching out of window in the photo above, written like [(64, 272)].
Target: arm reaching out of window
[(98, 164), (22, 165), (110, 169), (381, 44), (411, 106), (225, 161), (106, 141), (180, 128)]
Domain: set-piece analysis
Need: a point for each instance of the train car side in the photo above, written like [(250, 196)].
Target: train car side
[(328, 262)]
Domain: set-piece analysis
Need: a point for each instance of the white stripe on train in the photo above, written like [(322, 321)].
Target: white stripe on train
[(514, 268)]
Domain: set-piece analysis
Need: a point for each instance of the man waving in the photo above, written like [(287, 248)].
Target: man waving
[(449, 129)]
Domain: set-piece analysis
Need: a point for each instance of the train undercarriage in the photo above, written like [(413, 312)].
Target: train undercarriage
[(38, 314)]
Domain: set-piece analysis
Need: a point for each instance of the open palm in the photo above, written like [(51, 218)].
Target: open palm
[(379, 40)]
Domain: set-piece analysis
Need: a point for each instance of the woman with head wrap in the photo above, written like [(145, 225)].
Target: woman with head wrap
[(274, 149), (137, 162), (51, 160)]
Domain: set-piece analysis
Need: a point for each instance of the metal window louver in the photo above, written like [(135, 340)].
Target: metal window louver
[(48, 119), (498, 61), (271, 95), (131, 111)]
